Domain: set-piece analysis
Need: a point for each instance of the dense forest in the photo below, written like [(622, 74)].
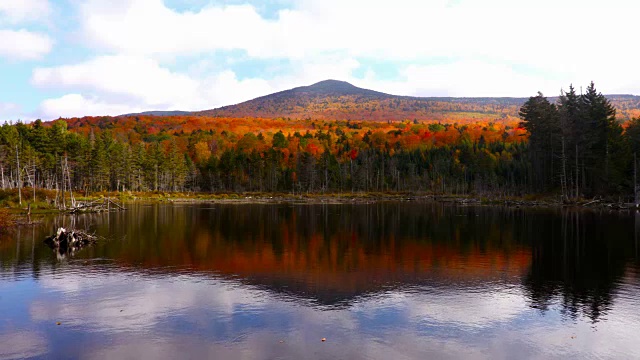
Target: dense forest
[(574, 147), (578, 147)]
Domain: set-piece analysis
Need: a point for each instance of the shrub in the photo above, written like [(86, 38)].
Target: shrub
[(6, 220)]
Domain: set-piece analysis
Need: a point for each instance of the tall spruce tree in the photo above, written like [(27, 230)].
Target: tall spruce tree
[(542, 122), (570, 113), (601, 132), (632, 134)]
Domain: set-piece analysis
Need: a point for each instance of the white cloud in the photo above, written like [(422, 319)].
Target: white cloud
[(18, 11), (404, 29), (498, 48), (113, 85), (76, 105), (11, 112), (140, 79), (23, 44), (462, 78), (496, 32), (151, 27), (8, 108)]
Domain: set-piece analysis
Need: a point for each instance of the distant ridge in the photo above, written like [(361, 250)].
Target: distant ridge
[(340, 100), (160, 113)]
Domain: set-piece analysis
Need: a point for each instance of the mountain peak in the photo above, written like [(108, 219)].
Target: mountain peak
[(332, 84), (335, 88)]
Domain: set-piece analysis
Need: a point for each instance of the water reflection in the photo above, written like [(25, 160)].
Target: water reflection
[(326, 253), (580, 260), (392, 280)]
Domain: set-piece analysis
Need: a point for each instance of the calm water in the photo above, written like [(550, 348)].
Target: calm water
[(379, 281)]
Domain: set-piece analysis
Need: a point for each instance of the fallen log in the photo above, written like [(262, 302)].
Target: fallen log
[(115, 204), (68, 241), (591, 202), (97, 206)]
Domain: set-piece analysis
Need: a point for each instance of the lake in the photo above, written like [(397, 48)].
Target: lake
[(390, 280)]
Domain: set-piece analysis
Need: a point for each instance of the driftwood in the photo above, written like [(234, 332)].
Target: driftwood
[(102, 205), (595, 203), (69, 241), (621, 206), (592, 202)]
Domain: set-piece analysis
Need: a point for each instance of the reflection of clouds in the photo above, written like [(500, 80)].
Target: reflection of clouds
[(122, 302), (166, 317), (268, 345), (21, 345), (454, 307), (614, 337), (468, 309)]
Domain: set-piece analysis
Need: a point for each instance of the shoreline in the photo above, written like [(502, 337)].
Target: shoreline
[(373, 197), (532, 201), (19, 218)]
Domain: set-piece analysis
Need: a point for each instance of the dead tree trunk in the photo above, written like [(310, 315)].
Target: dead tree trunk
[(577, 173), (635, 180), (18, 176)]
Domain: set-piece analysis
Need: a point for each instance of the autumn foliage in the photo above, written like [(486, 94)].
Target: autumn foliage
[(235, 132), (359, 140)]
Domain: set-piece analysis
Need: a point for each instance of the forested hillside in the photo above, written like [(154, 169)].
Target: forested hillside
[(576, 148), (337, 100)]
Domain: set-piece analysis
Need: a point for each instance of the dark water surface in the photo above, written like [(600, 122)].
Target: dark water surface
[(378, 281)]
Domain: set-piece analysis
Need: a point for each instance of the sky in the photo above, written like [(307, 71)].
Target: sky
[(65, 58)]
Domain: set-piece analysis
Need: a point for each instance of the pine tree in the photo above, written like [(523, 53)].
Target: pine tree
[(99, 165)]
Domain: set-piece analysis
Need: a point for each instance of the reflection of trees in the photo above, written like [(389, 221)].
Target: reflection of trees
[(579, 260), (333, 253), (329, 252), (21, 252), (324, 252)]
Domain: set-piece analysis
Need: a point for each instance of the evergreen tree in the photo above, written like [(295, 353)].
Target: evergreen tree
[(600, 133), (570, 112), (542, 122), (632, 135)]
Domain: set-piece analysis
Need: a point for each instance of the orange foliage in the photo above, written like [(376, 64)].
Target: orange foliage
[(202, 137)]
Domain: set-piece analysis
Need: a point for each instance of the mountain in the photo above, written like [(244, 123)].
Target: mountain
[(339, 100)]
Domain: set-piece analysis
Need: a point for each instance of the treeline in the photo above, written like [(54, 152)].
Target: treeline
[(338, 157), (577, 147)]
